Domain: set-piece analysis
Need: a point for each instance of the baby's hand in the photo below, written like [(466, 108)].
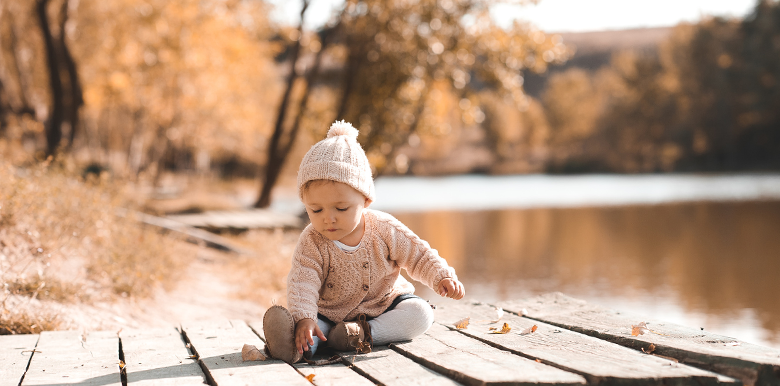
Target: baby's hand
[(451, 288), (303, 334)]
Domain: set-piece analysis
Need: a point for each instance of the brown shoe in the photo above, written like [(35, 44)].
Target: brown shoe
[(351, 336), (279, 330)]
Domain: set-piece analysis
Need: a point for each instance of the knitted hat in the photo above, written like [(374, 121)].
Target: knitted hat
[(339, 158)]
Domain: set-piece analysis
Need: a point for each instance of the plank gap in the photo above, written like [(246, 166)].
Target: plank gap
[(206, 373), (358, 370), (592, 380), (30, 360), (123, 370)]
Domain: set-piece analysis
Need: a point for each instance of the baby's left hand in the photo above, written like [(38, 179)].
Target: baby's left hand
[(451, 288)]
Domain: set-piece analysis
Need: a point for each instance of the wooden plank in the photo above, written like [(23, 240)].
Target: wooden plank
[(70, 357), (752, 364), (600, 362), (335, 374), (389, 368), (218, 346), (472, 362), (15, 353), (159, 357), (192, 235)]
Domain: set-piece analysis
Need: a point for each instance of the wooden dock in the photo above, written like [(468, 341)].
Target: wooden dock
[(574, 343)]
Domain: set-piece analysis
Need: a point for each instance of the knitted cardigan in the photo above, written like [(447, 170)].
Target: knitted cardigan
[(341, 285)]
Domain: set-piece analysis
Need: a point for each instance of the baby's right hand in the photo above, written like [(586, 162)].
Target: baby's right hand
[(303, 334)]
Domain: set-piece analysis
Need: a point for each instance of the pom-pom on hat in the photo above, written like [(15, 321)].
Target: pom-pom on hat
[(339, 158)]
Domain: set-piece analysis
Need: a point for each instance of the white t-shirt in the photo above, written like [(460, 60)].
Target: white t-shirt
[(345, 247)]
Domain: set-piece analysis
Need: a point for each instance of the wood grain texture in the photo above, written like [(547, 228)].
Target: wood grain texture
[(15, 353), (752, 364), (70, 357), (333, 375), (159, 357), (390, 368), (218, 346), (600, 362), (472, 362)]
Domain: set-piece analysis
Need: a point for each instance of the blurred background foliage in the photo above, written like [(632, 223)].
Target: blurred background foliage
[(142, 87)]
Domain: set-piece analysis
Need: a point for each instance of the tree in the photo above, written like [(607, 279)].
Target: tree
[(394, 53), (65, 92)]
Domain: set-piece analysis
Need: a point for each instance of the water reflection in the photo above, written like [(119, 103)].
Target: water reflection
[(714, 263)]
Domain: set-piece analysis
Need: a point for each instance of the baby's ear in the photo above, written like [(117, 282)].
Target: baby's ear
[(367, 203)]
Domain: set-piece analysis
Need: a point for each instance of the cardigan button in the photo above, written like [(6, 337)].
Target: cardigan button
[(330, 285), (365, 265), (365, 287)]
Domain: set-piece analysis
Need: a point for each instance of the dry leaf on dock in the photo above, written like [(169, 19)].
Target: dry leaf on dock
[(639, 329), (649, 349), (529, 330), (462, 324), (251, 353), (310, 378), (504, 329)]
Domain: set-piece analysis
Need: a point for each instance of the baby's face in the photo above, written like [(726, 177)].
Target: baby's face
[(336, 210)]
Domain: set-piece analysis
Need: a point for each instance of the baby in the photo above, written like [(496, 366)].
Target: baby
[(344, 286)]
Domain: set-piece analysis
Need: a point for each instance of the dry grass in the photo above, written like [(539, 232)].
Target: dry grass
[(60, 240), (263, 277)]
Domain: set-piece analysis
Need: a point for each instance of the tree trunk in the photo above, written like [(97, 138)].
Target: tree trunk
[(53, 124), (76, 98), (275, 158), (353, 65)]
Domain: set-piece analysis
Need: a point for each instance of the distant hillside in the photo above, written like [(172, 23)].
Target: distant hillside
[(594, 50)]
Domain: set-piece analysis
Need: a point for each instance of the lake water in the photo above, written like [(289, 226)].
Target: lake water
[(698, 251)]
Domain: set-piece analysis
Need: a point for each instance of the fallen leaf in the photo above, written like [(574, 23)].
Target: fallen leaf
[(121, 365), (504, 329), (538, 360), (462, 324), (649, 349), (492, 328), (639, 329), (529, 330), (252, 353), (310, 378)]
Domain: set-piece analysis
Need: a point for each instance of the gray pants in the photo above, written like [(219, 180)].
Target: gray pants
[(408, 319)]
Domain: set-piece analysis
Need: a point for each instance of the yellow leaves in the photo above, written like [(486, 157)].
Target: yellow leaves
[(119, 80), (639, 329), (649, 350), (463, 323), (504, 329), (310, 378)]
